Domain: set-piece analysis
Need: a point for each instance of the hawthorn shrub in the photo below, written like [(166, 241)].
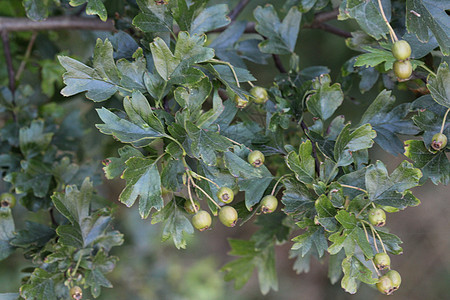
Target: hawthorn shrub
[(202, 140)]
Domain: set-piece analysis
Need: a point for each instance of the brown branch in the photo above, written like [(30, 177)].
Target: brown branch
[(238, 9), (55, 23), (314, 151), (9, 65), (27, 56), (278, 63), (329, 28)]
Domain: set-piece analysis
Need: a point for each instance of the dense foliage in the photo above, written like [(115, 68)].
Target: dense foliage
[(196, 131)]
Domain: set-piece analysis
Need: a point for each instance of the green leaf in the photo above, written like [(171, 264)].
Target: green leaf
[(325, 99), (192, 96), (126, 131), (39, 286), (325, 213), (33, 140), (374, 57), (314, 236), (176, 225), (392, 190), (368, 16), (272, 227), (140, 113), (143, 183), (34, 236), (210, 18), (281, 36), (7, 231), (335, 266), (348, 142), (388, 121), (153, 17), (435, 166), (296, 197), (37, 10), (355, 271), (241, 269), (431, 15), (35, 176), (254, 181), (100, 82), (132, 72), (209, 117), (114, 166), (205, 144), (439, 85), (74, 204), (94, 7), (302, 164), (188, 51)]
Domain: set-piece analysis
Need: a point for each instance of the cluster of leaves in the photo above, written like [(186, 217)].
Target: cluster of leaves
[(39, 146), (185, 137)]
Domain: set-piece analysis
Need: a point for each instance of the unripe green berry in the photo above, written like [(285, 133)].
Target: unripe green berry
[(256, 158), (7, 200), (439, 141), (382, 261), (189, 208), (76, 293), (401, 50), (225, 195), (240, 102), (201, 220), (377, 217), (395, 278), (269, 204), (228, 216), (384, 285), (403, 69), (260, 94)]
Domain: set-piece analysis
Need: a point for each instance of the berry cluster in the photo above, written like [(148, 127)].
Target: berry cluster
[(227, 214), (402, 67), (389, 282), (259, 94)]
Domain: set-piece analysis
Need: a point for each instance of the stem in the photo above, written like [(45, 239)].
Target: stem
[(278, 181), (367, 238), (206, 194), (55, 23), (178, 143), (314, 151), (278, 63), (429, 70), (374, 240), (203, 177), (238, 9), (27, 56), (9, 65), (231, 68), (375, 267), (354, 187), (76, 266), (367, 205), (374, 231), (443, 121), (391, 31), (251, 84), (190, 195)]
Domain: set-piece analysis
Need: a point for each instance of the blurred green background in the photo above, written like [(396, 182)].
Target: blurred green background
[(150, 269)]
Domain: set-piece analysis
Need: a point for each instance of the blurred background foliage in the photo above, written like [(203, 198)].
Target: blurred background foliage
[(150, 269)]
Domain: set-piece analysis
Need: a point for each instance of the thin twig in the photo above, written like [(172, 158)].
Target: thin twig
[(238, 9), (278, 63), (55, 23), (27, 56), (329, 28), (314, 151), (9, 65)]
